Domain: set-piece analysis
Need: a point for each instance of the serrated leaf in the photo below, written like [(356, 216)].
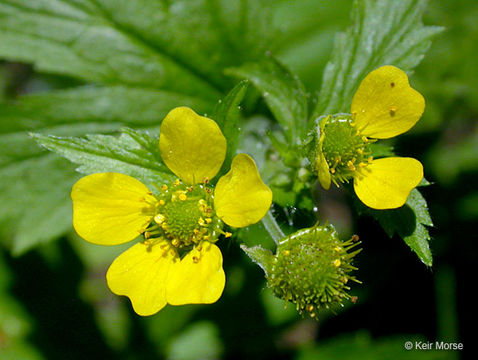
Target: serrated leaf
[(282, 91), (35, 185), (382, 32), (227, 115), (260, 256), (94, 41), (409, 222), (134, 153)]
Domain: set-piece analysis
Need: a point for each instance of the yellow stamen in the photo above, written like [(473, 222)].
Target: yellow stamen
[(337, 263), (351, 166), (164, 187), (159, 219), (177, 182), (364, 139), (370, 159), (182, 197), (310, 308), (175, 242), (162, 202), (195, 259), (227, 234), (208, 220), (286, 252)]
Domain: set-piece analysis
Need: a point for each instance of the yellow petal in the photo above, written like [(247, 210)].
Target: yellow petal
[(321, 165), (385, 105), (192, 146), (240, 197), (387, 182), (110, 208), (141, 273), (198, 278)]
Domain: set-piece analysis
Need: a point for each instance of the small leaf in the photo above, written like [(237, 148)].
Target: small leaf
[(134, 153), (409, 222), (260, 256), (382, 32), (227, 115), (282, 91)]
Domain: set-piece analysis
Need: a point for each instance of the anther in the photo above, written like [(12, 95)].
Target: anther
[(393, 110), (206, 237), (286, 252), (177, 182), (337, 263), (351, 166), (206, 180), (182, 197), (310, 308), (359, 151), (201, 222), (208, 220), (364, 139), (370, 159), (227, 234), (147, 235), (195, 259), (175, 242), (355, 238), (159, 219), (164, 187), (362, 164), (189, 188), (338, 249)]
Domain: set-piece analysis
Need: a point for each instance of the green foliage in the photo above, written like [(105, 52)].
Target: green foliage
[(134, 153), (409, 222), (382, 33), (227, 115), (283, 92)]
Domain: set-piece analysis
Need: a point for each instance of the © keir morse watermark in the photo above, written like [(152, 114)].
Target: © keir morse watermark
[(432, 345)]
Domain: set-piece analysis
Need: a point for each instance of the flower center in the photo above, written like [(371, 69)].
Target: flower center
[(345, 149), (185, 215)]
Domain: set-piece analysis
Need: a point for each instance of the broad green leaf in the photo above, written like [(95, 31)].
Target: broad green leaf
[(35, 185), (95, 41), (382, 32), (227, 115), (410, 223), (282, 91), (134, 153)]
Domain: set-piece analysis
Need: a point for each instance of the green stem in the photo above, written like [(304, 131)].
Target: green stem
[(272, 227)]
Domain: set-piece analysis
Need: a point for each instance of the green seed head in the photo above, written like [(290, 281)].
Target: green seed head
[(185, 215), (312, 268), (344, 148)]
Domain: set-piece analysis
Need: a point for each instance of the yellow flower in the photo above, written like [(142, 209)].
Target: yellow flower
[(177, 262), (384, 106)]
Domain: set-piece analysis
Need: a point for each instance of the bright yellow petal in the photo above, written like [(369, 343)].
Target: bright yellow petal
[(198, 278), (385, 105), (240, 197), (141, 273), (110, 208), (387, 182), (192, 146)]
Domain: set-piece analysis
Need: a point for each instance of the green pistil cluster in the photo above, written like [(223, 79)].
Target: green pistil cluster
[(344, 148), (312, 267), (185, 215)]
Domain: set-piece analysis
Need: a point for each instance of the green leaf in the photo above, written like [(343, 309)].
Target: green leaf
[(282, 91), (134, 153), (97, 41), (410, 223), (259, 255), (35, 185), (227, 115), (382, 32)]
